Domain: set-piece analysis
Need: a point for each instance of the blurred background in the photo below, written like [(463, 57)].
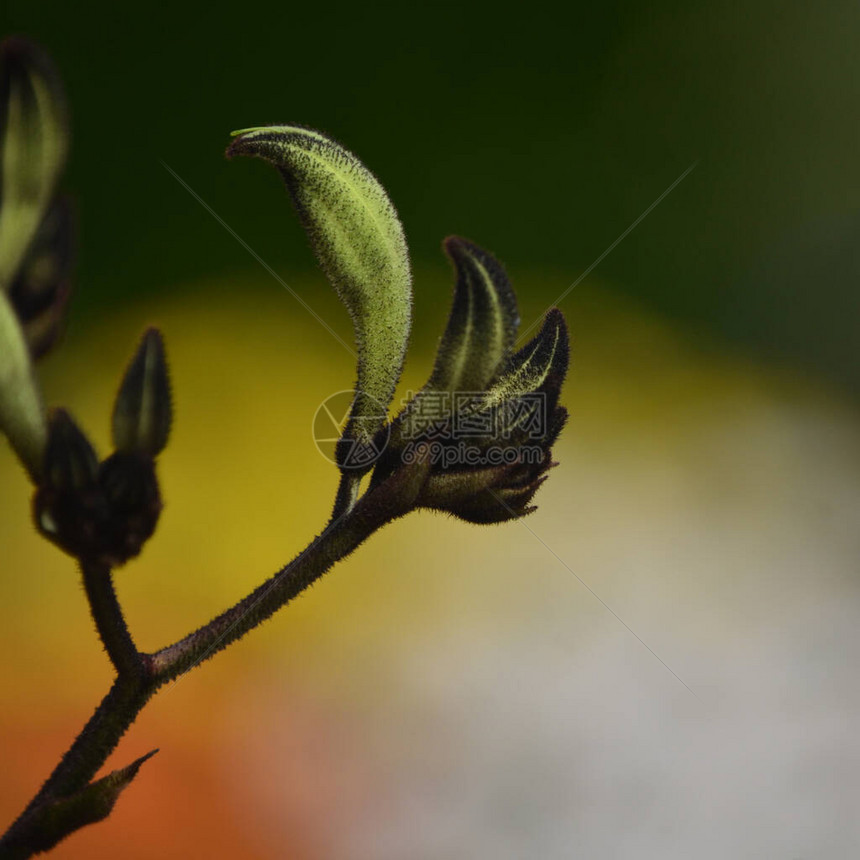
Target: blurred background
[(661, 661)]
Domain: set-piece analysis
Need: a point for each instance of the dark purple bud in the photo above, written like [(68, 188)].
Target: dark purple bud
[(130, 488), (97, 512), (67, 506)]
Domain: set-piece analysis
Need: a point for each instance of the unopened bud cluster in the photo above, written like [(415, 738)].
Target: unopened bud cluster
[(105, 511), (487, 418)]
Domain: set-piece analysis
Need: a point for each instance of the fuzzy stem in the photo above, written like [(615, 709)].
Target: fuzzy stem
[(131, 692), (109, 619), (390, 500), (347, 494), (86, 755)]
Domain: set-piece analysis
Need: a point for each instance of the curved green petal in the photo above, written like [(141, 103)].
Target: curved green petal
[(483, 323), (359, 242), (540, 364), (480, 333), (538, 368)]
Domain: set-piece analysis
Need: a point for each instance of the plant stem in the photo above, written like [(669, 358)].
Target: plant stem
[(131, 691), (391, 499), (98, 739), (347, 494), (339, 539), (109, 619)]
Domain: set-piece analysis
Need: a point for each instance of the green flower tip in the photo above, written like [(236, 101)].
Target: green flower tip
[(249, 130), (358, 240)]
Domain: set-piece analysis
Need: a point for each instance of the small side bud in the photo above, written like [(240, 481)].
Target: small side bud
[(102, 512), (142, 412), (485, 496), (540, 365)]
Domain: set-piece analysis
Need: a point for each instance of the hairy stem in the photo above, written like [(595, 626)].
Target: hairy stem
[(98, 739), (110, 621), (347, 494), (337, 541), (131, 691), (79, 765)]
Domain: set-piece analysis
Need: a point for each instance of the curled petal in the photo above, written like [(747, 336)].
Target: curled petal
[(482, 324), (478, 337), (359, 242), (540, 365)]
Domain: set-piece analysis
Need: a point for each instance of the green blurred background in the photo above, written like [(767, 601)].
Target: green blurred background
[(454, 692), (541, 132)]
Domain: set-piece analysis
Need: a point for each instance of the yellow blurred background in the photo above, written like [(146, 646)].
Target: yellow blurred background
[(660, 662)]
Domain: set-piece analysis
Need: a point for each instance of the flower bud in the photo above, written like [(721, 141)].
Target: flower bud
[(97, 512), (488, 448), (68, 507), (130, 487), (358, 239), (482, 325), (142, 412), (33, 144)]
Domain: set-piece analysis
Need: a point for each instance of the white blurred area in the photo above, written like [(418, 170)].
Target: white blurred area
[(477, 699), (659, 663)]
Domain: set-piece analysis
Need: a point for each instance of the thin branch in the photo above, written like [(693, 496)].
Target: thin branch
[(110, 621), (391, 499), (347, 494), (81, 762), (131, 692)]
